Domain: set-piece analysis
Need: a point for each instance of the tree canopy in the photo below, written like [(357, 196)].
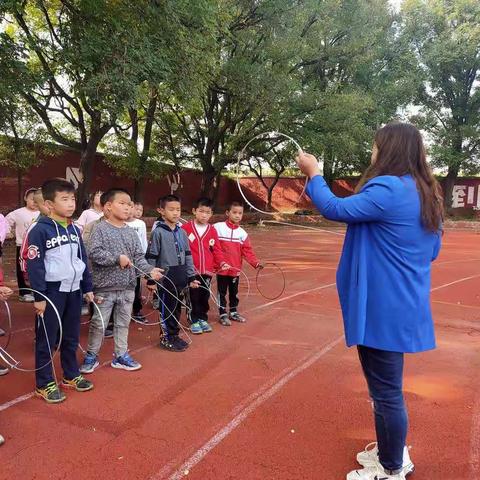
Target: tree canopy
[(160, 86)]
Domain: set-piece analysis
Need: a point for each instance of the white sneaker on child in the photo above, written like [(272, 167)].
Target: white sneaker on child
[(374, 473), (369, 458), (28, 298)]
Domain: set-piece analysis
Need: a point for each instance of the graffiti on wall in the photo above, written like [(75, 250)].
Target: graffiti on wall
[(466, 196)]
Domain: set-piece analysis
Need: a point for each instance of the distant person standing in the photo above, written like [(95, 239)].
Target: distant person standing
[(19, 221), (135, 221), (91, 214)]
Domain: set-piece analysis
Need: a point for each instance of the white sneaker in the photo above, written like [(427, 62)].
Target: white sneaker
[(369, 458), (28, 298), (2, 440), (374, 473)]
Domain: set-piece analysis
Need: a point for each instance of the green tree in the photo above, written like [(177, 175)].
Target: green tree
[(22, 142), (355, 74), (445, 36), (243, 92), (80, 63)]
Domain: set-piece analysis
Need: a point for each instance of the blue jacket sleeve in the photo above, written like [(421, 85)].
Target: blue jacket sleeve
[(86, 284), (369, 205), (437, 246), (36, 248)]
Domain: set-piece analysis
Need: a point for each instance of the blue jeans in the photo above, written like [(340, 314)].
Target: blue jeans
[(384, 374)]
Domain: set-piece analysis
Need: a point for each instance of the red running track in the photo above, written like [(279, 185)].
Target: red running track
[(279, 397)]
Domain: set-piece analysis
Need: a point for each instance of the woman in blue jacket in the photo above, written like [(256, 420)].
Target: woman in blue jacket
[(383, 279)]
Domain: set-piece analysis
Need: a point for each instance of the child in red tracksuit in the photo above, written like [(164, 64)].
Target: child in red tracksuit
[(236, 246), (207, 258)]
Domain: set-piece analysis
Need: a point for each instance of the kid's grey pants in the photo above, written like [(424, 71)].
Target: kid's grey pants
[(122, 300)]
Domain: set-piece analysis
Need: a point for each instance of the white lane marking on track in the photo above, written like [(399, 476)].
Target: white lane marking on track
[(253, 402), (13, 402), (460, 280), (26, 396), (237, 420)]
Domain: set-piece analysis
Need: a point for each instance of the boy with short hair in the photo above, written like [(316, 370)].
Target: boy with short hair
[(19, 221), (114, 249), (207, 257), (57, 269), (236, 246), (140, 228), (169, 249)]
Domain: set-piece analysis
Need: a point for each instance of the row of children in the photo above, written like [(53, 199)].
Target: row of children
[(58, 268)]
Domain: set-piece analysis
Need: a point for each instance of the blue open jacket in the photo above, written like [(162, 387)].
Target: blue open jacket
[(56, 254), (383, 278)]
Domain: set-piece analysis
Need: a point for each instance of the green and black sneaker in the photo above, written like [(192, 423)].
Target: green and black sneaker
[(80, 384), (50, 393)]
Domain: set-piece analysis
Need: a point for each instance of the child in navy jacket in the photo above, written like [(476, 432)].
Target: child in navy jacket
[(57, 269)]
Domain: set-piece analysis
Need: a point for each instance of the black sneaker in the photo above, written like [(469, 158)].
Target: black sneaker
[(236, 317), (180, 342), (80, 384), (109, 333), (224, 320), (140, 318), (50, 393), (170, 344), (4, 371)]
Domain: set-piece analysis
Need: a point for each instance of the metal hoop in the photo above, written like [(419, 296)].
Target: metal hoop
[(241, 155)]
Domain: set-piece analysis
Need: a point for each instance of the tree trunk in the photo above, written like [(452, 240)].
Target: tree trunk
[(138, 189), (208, 182), (87, 161), (216, 188), (448, 185), (269, 198), (270, 189), (328, 173), (147, 140), (20, 188)]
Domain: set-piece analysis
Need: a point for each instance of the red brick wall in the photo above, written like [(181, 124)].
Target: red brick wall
[(286, 195)]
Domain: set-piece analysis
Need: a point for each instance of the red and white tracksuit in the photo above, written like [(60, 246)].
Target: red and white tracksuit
[(236, 246), (206, 251)]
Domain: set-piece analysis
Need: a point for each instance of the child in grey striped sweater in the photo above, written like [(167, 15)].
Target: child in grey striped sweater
[(116, 256)]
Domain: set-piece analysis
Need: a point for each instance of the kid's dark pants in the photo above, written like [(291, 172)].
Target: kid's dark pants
[(199, 298), (69, 306), (137, 303), (230, 284), (170, 296)]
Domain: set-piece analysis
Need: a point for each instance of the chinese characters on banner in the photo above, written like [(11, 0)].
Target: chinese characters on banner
[(466, 196)]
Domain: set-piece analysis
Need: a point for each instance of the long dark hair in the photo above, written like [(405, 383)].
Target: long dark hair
[(401, 152)]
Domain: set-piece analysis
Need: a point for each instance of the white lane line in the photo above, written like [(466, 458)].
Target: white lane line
[(13, 402), (460, 280), (283, 299), (257, 399), (26, 396)]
